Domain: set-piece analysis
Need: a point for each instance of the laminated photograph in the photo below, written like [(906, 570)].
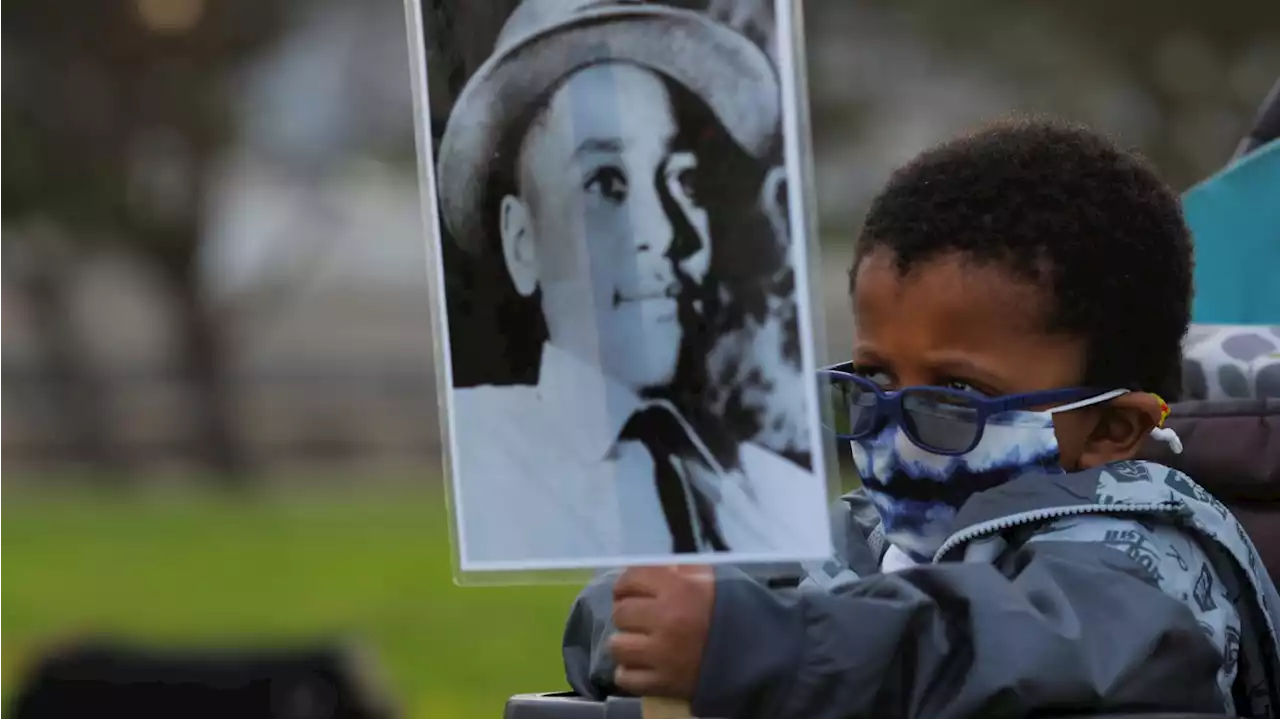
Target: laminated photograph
[(613, 192)]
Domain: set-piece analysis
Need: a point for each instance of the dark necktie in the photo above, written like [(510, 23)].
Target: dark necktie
[(688, 512)]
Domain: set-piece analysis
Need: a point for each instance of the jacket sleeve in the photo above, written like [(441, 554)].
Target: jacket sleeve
[(588, 665), (585, 648), (1066, 625)]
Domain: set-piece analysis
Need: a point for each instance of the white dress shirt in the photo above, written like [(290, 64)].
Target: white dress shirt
[(541, 478)]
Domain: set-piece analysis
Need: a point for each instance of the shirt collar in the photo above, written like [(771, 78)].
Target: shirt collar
[(586, 409), (583, 402)]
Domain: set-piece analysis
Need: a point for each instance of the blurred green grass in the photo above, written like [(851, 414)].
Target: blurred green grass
[(191, 570)]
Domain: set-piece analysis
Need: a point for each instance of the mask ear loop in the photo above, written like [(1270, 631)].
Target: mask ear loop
[(1163, 433), (1088, 401)]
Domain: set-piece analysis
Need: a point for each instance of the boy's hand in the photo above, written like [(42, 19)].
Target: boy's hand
[(662, 615)]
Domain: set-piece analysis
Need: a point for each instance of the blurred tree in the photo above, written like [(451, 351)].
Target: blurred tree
[(41, 272), (1180, 78), (115, 115)]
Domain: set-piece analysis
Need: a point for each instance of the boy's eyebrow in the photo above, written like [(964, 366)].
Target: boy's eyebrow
[(597, 145)]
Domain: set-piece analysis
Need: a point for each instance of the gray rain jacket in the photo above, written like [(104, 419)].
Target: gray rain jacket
[(1127, 588)]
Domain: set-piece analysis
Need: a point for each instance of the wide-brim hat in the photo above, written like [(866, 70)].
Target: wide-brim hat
[(545, 40)]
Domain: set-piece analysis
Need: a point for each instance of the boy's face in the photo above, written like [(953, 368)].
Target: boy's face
[(954, 322), (607, 224)]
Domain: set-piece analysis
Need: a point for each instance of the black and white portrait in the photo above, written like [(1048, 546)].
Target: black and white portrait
[(613, 185)]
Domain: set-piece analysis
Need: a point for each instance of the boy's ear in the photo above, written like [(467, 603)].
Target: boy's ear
[(518, 249), (1122, 425)]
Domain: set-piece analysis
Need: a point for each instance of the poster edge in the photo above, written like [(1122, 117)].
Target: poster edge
[(430, 218), (797, 165)]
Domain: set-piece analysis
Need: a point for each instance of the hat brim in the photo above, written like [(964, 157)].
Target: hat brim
[(732, 75)]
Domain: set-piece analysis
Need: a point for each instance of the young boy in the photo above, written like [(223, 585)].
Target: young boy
[(1007, 554)]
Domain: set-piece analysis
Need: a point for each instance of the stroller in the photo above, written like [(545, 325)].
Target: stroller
[(1229, 420)]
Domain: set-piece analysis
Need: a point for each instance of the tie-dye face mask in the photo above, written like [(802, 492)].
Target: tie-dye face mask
[(923, 451), (918, 492)]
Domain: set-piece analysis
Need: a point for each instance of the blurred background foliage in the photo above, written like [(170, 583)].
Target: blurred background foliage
[(220, 420)]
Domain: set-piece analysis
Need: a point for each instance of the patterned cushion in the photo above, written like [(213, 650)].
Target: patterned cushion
[(1231, 362)]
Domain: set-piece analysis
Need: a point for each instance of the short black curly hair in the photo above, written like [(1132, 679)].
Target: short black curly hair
[(1063, 207)]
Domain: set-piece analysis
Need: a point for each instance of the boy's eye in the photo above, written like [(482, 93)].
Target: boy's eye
[(963, 386), (875, 375), (608, 182), (682, 176)]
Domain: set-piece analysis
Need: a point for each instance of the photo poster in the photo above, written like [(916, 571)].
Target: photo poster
[(619, 234)]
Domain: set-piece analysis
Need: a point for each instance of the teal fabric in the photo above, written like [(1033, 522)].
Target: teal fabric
[(1235, 219)]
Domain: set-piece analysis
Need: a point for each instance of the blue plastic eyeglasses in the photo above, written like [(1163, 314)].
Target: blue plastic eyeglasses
[(936, 419)]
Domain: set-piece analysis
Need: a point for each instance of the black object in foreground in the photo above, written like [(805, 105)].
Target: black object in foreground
[(108, 680)]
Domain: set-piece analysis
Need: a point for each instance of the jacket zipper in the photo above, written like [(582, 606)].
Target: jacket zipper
[(996, 526)]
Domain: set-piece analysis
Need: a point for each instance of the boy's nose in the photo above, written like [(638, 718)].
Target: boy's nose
[(653, 227)]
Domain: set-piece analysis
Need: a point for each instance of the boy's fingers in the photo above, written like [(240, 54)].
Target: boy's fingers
[(641, 581), (637, 614), (637, 681), (631, 650)]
